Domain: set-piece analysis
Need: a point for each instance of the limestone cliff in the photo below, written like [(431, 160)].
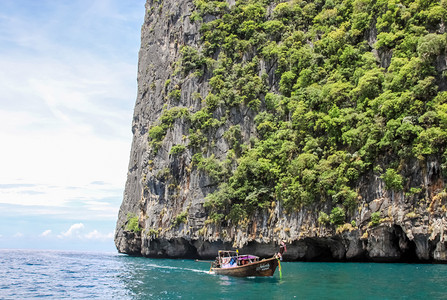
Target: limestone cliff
[(168, 183)]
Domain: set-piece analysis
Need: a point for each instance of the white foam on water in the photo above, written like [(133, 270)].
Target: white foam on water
[(194, 270), (176, 268)]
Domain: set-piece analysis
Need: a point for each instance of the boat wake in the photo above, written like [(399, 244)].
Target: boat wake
[(176, 268), (197, 271)]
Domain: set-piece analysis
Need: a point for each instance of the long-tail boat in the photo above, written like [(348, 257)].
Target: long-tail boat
[(231, 263)]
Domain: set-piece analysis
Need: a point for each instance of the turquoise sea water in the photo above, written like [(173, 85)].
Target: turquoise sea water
[(26, 274)]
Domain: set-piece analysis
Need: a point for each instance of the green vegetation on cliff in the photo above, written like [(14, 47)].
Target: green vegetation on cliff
[(132, 223), (339, 88)]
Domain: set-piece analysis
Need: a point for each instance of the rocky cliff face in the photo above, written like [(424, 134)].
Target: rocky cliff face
[(166, 192)]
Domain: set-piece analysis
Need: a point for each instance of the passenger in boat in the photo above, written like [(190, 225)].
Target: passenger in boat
[(228, 262), (225, 261), (233, 261)]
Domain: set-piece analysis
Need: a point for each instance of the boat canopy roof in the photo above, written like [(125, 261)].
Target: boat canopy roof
[(248, 256), (226, 253)]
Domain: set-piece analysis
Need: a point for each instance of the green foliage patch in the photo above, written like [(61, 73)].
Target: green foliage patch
[(337, 216), (338, 88), (375, 218), (177, 149), (180, 218), (157, 132), (133, 223), (393, 181)]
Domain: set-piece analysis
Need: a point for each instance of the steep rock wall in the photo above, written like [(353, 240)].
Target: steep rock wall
[(166, 192)]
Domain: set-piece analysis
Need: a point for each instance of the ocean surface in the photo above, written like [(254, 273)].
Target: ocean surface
[(26, 274)]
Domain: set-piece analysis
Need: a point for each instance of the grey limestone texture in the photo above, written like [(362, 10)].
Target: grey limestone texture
[(161, 186)]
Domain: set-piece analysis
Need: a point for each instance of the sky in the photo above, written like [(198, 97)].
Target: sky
[(68, 73)]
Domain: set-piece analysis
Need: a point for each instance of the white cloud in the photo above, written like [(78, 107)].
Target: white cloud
[(72, 127), (18, 235), (46, 233), (65, 124), (96, 235), (79, 202), (75, 231)]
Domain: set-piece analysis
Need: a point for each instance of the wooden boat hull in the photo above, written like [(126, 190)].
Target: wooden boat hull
[(265, 267)]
